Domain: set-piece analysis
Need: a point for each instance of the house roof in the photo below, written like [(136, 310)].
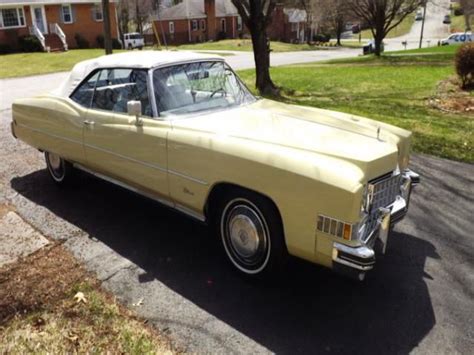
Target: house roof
[(193, 9), (141, 60), (295, 15), (46, 2)]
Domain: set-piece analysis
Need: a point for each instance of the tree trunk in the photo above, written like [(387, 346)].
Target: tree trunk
[(339, 34), (467, 19), (261, 54), (107, 33), (378, 46)]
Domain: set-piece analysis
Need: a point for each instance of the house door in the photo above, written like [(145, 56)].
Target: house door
[(39, 18)]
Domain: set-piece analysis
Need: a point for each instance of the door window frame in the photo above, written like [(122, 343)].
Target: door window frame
[(151, 95)]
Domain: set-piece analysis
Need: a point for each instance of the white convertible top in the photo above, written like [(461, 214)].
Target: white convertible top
[(142, 59)]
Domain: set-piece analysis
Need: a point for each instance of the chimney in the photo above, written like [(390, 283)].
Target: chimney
[(210, 11)]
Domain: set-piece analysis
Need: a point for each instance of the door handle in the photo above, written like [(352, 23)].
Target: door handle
[(89, 123)]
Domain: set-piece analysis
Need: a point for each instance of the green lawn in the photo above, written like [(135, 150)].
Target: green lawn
[(245, 45), (402, 29), (389, 92), (24, 64), (433, 55), (458, 23)]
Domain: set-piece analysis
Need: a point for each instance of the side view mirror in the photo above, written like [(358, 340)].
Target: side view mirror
[(134, 108)]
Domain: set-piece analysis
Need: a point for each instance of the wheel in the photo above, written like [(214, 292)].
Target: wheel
[(251, 232), (140, 48), (60, 171)]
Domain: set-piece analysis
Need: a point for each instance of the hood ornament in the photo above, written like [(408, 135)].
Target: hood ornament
[(378, 133)]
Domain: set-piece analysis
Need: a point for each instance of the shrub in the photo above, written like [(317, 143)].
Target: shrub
[(5, 49), (101, 42), (464, 62), (82, 43), (29, 44), (321, 38), (221, 35), (116, 44)]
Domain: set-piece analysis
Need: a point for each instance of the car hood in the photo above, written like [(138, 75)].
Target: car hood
[(370, 145)]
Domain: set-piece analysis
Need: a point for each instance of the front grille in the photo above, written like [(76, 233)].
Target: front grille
[(386, 189)]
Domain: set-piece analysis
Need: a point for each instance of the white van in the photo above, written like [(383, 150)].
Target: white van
[(457, 38), (133, 40)]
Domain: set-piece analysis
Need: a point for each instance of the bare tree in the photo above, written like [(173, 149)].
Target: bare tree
[(257, 16), (107, 32), (382, 16), (336, 15), (123, 17)]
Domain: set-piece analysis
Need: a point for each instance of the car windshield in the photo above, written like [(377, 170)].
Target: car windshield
[(193, 87)]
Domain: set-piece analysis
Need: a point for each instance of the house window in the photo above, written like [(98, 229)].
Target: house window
[(171, 27), (239, 23), (97, 13), (223, 25), (10, 18), (294, 26), (194, 25), (203, 25), (66, 13)]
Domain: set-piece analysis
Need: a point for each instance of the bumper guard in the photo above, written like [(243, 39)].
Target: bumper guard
[(356, 261)]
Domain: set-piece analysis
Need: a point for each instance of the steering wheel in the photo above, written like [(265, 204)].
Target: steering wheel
[(221, 90)]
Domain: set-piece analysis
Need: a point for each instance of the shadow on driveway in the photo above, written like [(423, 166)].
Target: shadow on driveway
[(309, 310)]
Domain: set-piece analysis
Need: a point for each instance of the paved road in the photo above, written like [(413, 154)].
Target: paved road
[(420, 298), (434, 28), (10, 89)]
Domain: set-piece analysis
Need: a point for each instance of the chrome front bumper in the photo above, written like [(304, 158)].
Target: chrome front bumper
[(356, 261)]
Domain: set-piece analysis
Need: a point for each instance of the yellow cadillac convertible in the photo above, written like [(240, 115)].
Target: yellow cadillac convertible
[(273, 179)]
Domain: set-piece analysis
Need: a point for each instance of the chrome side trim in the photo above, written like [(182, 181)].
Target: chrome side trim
[(122, 184), (190, 212), (49, 134), (164, 202), (184, 176), (141, 162), (153, 166)]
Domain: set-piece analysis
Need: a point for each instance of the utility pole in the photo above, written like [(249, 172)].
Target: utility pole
[(106, 20), (423, 23)]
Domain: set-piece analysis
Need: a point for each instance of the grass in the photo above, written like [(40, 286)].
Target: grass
[(245, 45), (41, 313), (402, 29), (397, 93), (25, 64), (434, 55)]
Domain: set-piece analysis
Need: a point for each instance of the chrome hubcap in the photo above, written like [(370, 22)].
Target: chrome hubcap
[(246, 235)]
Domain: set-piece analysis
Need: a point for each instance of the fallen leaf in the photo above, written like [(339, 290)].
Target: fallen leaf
[(79, 297)]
